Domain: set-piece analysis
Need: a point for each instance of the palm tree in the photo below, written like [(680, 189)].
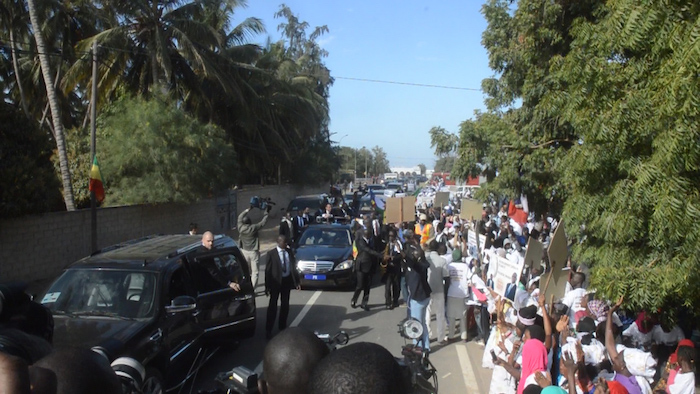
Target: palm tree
[(14, 21), (54, 105)]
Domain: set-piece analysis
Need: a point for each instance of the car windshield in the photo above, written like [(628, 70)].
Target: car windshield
[(326, 237), (98, 292), (301, 204)]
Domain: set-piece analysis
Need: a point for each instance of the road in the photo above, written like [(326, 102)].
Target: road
[(328, 311)]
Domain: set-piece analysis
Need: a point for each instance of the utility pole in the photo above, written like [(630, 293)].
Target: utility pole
[(363, 148), (93, 148), (354, 172)]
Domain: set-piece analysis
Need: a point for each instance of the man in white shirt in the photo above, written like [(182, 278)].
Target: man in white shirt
[(573, 297), (436, 274)]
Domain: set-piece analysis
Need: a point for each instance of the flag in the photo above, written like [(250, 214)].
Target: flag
[(96, 184), (376, 201)]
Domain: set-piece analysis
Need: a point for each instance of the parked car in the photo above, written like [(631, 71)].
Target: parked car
[(157, 300), (324, 256)]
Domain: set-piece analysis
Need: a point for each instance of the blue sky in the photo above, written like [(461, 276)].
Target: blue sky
[(414, 41)]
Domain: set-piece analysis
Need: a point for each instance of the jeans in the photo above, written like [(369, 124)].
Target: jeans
[(418, 311), (481, 316), (404, 289)]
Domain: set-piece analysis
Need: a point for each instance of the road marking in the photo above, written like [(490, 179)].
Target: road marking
[(297, 320), (467, 370), (306, 308)]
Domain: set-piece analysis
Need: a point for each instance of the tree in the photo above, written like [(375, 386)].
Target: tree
[(445, 164), (380, 164), (153, 152), (422, 168), (55, 109), (631, 92), (28, 183)]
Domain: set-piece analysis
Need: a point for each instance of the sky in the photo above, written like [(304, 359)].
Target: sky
[(408, 41)]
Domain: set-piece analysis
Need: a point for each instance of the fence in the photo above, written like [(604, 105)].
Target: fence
[(37, 248)]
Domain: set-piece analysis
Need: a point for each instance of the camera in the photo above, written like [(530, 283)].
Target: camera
[(264, 203), (418, 371), (131, 374)]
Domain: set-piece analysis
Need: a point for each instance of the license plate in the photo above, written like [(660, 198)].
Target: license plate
[(314, 277)]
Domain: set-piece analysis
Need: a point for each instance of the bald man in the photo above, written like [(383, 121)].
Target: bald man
[(214, 271)]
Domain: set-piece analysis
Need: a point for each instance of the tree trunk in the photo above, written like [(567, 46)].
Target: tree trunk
[(15, 65), (55, 109)]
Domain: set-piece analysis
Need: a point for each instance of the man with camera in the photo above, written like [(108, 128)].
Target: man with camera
[(248, 237)]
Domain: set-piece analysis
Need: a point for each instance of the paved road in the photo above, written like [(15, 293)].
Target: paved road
[(328, 311)]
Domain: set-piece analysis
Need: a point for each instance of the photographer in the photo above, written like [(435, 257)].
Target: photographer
[(248, 237)]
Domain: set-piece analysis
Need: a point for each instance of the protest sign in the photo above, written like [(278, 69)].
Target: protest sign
[(441, 199), (558, 253), (470, 209), (533, 255), (400, 209), (506, 272)]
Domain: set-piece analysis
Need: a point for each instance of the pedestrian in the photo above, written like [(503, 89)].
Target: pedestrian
[(287, 227), (193, 228), (392, 276), (417, 282), (457, 294), (424, 229), (437, 272), (364, 267), (249, 242), (281, 277)]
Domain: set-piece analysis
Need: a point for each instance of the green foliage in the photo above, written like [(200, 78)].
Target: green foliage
[(28, 183), (150, 151), (633, 95), (79, 164)]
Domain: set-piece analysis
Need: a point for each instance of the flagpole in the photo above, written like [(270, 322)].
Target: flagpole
[(93, 148)]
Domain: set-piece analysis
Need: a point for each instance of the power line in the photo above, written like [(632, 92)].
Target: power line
[(407, 83)]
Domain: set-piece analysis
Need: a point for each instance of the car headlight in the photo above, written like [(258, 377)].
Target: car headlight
[(345, 265)]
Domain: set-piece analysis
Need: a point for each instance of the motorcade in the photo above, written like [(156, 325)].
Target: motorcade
[(312, 201), (324, 256), (162, 300), (392, 188)]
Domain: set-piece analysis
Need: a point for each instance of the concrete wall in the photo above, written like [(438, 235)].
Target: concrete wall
[(37, 248)]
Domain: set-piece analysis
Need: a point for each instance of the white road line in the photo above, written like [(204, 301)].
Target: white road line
[(306, 308), (467, 370), (298, 319)]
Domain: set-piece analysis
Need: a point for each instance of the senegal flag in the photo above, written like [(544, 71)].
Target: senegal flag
[(96, 184)]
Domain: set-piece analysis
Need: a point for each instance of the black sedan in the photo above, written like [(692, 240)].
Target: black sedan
[(324, 256)]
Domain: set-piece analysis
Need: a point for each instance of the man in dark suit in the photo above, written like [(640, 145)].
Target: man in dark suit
[(280, 277), (299, 223), (287, 228), (364, 267)]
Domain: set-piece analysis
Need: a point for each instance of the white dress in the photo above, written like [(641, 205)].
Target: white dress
[(501, 381)]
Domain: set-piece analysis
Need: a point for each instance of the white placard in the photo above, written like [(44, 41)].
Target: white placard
[(504, 274)]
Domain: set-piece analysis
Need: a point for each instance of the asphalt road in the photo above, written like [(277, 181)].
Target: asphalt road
[(328, 311)]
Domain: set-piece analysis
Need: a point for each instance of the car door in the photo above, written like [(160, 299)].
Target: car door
[(180, 332), (223, 312)]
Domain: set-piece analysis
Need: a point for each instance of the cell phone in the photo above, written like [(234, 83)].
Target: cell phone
[(493, 356)]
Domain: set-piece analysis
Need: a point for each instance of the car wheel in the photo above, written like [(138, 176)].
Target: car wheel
[(153, 384)]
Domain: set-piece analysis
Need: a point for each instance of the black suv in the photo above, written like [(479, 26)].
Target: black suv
[(160, 300)]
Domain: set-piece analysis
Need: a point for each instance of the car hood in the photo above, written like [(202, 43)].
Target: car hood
[(83, 332), (324, 253)]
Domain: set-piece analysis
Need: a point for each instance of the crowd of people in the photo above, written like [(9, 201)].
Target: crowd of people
[(578, 343)]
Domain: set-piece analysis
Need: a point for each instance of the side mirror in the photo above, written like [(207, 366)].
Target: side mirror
[(181, 304)]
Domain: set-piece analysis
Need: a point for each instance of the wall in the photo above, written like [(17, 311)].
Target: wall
[(37, 248)]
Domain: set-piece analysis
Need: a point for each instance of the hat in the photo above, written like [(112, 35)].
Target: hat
[(507, 241), (423, 216), (456, 255), (526, 315)]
